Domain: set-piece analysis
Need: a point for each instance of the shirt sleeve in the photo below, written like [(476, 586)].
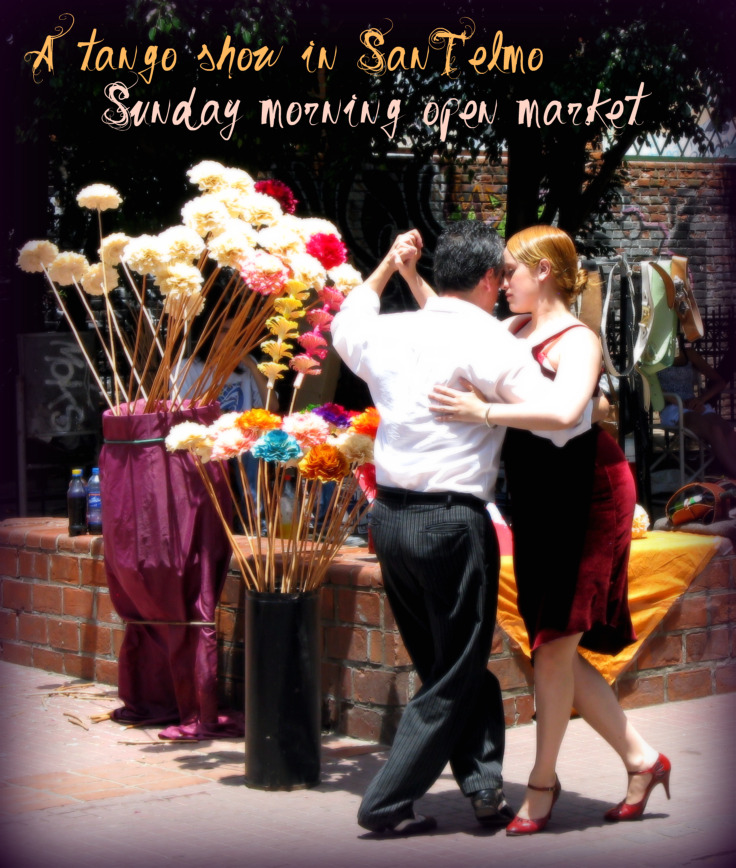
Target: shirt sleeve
[(351, 326)]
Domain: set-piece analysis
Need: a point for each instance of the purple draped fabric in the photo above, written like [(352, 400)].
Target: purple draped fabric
[(166, 557)]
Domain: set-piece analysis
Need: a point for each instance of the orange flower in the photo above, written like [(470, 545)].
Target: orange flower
[(258, 418), (366, 422), (324, 462)]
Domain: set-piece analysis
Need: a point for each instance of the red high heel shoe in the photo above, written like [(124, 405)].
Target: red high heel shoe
[(521, 826), (660, 773)]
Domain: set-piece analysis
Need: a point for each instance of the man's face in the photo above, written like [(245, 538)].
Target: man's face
[(493, 284)]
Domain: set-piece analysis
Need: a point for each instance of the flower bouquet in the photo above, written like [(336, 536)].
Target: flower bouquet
[(166, 518)]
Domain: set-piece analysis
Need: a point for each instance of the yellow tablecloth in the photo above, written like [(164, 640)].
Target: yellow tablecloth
[(661, 568)]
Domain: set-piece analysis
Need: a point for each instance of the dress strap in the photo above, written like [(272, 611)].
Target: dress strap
[(539, 351)]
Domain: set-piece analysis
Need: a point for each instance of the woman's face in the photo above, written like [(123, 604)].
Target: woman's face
[(520, 285)]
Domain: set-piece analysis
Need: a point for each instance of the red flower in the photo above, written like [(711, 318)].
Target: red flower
[(280, 192), (330, 251)]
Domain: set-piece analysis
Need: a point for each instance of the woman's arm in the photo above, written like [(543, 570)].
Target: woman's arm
[(560, 407), (406, 251)]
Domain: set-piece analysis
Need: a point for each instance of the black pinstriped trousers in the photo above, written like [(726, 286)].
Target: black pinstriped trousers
[(440, 567)]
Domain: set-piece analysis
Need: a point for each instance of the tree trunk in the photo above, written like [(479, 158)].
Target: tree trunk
[(523, 179)]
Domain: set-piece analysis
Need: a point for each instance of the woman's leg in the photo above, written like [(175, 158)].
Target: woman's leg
[(596, 703), (719, 433), (553, 695)]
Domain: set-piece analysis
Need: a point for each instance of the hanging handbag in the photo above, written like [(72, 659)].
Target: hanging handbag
[(685, 305)]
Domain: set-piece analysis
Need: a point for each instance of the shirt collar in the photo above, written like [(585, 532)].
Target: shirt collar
[(451, 304)]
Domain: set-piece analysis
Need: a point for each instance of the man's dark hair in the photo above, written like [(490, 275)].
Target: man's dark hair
[(464, 253)]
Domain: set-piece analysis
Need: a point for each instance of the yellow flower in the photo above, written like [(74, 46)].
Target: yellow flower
[(277, 349), (272, 370), (112, 248), (298, 290), (289, 306), (99, 281), (281, 327), (99, 197), (68, 268), (193, 437), (36, 255)]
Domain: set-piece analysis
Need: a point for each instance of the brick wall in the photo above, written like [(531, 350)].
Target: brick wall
[(684, 207), (55, 614)]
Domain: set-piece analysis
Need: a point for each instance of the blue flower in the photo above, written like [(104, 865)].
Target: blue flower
[(277, 446)]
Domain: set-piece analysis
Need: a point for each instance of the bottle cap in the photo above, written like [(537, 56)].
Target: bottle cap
[(95, 470), (77, 471)]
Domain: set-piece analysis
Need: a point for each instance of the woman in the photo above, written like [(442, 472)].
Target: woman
[(571, 512), (700, 416)]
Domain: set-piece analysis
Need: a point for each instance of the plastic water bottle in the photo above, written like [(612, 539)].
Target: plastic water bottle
[(76, 501), (94, 503)]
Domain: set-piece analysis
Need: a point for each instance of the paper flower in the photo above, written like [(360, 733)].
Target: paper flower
[(277, 349), (97, 280), (304, 364), (272, 371), (68, 268), (207, 175), (324, 462), (309, 226), (233, 244), (277, 446), (99, 197), (307, 270), (282, 328), (144, 254), (331, 297), (179, 277), (264, 273), (239, 180), (345, 278), (261, 210), (181, 244), (205, 215), (320, 317), (308, 429), (314, 344), (335, 414), (366, 422), (357, 448), (230, 442), (280, 192), (192, 437), (640, 523), (112, 248), (290, 307), (328, 249), (258, 420), (36, 255), (280, 238)]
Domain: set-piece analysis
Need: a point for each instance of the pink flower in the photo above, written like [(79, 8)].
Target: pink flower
[(320, 317), (231, 442), (314, 344), (307, 428), (280, 192), (332, 297), (304, 364), (328, 249), (264, 273)]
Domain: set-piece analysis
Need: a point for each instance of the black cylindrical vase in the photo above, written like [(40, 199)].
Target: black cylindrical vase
[(282, 690)]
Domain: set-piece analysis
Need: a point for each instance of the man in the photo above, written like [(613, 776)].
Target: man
[(433, 537)]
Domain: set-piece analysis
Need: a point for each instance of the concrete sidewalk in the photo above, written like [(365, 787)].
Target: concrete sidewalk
[(78, 793)]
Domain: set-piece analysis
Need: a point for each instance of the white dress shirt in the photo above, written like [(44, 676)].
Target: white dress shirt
[(402, 356)]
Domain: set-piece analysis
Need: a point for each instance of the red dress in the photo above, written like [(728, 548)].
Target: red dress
[(571, 514)]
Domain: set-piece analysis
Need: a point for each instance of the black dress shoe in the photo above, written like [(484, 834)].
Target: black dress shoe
[(491, 808), (409, 826)]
